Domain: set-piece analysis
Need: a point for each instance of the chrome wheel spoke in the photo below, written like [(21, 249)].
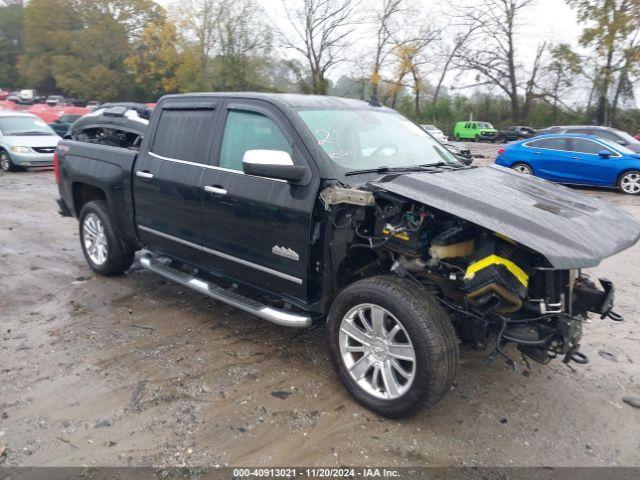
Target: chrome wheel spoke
[(377, 321), (362, 366), (354, 332), (364, 321), (400, 369), (402, 351), (390, 381)]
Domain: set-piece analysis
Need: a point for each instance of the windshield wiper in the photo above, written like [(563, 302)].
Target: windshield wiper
[(384, 168)]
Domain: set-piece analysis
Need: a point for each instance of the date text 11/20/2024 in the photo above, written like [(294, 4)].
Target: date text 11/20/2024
[(316, 472)]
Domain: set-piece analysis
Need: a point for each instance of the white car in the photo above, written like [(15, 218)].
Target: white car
[(27, 96), (435, 132)]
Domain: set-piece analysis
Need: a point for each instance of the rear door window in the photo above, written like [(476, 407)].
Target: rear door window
[(184, 134), (549, 143), (247, 130)]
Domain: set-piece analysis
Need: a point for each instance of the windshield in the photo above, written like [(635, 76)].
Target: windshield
[(485, 125), (24, 126), (369, 140)]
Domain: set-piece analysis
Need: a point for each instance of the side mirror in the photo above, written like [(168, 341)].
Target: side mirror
[(604, 153), (272, 164)]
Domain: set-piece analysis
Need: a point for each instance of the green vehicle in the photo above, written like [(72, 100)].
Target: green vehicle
[(476, 131)]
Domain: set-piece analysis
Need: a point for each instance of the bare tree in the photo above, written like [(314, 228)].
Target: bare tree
[(199, 20), (497, 23), (384, 38), (321, 30)]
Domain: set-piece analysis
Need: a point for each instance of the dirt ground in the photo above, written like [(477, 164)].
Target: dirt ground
[(133, 370)]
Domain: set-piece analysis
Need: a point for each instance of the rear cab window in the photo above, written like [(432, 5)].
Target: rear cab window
[(184, 134)]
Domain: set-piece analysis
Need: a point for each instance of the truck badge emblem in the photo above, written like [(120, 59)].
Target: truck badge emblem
[(285, 252)]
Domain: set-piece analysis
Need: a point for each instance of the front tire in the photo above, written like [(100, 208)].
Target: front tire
[(629, 182), (101, 245), (392, 345), (6, 165)]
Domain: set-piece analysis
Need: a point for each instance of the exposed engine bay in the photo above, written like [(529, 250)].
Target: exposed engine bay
[(496, 290)]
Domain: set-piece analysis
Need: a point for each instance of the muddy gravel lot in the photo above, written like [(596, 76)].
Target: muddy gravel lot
[(133, 370)]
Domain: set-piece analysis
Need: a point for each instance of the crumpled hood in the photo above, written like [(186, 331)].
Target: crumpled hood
[(570, 229)]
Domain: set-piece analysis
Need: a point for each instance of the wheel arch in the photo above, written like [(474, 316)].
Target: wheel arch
[(623, 173), (84, 193)]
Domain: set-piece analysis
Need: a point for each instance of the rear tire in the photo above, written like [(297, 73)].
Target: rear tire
[(102, 247), (522, 168), (366, 352), (6, 165), (629, 182)]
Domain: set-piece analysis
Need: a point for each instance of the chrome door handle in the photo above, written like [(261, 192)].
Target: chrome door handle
[(216, 190), (145, 175)]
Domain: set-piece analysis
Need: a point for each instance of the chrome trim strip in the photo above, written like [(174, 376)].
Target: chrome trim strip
[(234, 299), (615, 153), (231, 258), (211, 167)]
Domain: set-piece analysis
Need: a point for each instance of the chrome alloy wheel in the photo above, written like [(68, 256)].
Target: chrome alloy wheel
[(377, 351), (95, 239), (630, 183), (520, 168)]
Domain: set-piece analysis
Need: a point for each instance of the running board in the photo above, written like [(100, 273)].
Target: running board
[(234, 299)]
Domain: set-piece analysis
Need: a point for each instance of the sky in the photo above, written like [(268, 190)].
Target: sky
[(550, 20)]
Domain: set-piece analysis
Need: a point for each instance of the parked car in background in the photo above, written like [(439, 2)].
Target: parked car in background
[(53, 100), (575, 159), (62, 124), (514, 133), (4, 94), (476, 131), (93, 104), (25, 141), (27, 96), (14, 97), (461, 151), (606, 133), (435, 132)]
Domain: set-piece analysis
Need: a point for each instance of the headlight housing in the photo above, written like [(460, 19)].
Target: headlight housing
[(20, 149)]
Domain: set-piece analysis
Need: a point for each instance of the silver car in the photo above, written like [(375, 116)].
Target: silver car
[(25, 141)]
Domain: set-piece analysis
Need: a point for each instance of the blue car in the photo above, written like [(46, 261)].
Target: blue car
[(575, 159)]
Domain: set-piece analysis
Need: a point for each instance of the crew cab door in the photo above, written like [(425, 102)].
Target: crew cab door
[(167, 177), (257, 230)]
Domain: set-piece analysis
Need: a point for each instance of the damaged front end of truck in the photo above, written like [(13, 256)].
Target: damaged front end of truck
[(503, 253)]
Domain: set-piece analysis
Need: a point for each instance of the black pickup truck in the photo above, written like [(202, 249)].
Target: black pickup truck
[(304, 209)]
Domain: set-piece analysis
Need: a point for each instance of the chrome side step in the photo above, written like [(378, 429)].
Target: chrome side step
[(234, 299)]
